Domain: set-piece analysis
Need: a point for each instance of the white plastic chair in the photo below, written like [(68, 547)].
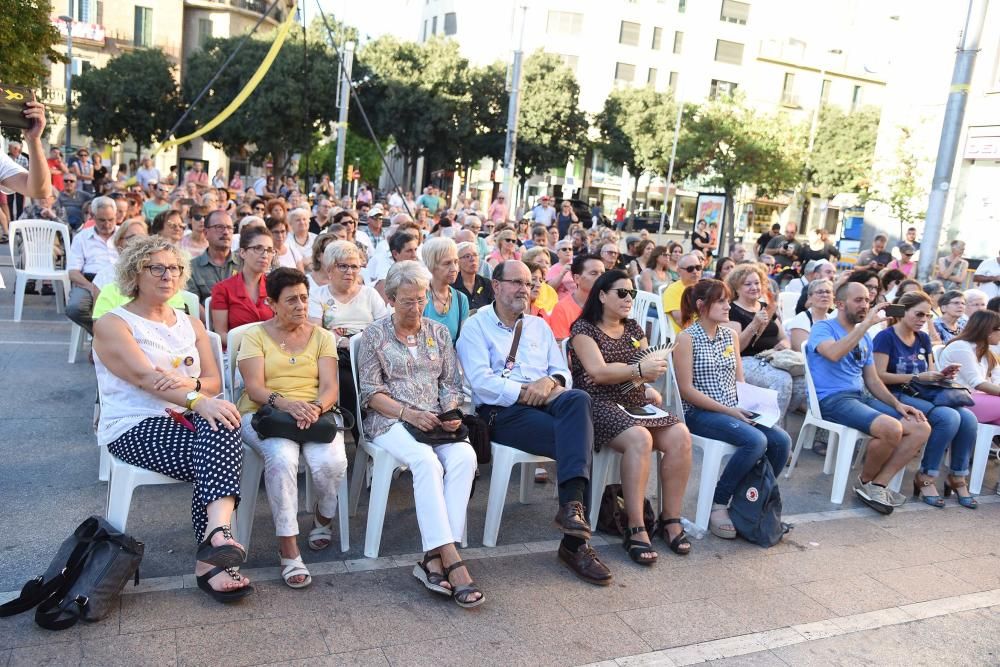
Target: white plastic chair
[(208, 313), (713, 453), (383, 465), (981, 455), (192, 303), (843, 443), (38, 237), (504, 460), (77, 337), (641, 304), (787, 302)]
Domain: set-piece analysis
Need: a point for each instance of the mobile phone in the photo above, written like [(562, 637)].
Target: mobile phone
[(895, 310), (450, 415), (751, 415), (13, 100), (181, 419), (638, 411)]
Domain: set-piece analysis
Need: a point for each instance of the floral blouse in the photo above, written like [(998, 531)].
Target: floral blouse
[(385, 365)]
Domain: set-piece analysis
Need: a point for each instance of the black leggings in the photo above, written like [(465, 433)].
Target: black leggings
[(212, 460)]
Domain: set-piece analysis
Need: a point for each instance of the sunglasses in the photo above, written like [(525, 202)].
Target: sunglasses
[(623, 292), (690, 269)]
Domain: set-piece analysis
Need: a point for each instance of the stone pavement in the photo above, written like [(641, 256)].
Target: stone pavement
[(845, 587)]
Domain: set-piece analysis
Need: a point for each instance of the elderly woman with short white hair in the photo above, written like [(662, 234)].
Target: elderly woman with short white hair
[(409, 381), (300, 238), (446, 305), (345, 307)]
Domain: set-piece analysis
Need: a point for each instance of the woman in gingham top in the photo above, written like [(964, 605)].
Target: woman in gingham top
[(707, 367)]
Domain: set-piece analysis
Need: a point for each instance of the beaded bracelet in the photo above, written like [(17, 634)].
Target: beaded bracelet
[(272, 398)]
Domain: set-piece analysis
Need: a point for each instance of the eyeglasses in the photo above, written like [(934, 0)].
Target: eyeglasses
[(467, 255), (411, 303), (69, 180), (516, 283), (262, 250), (690, 269), (564, 250), (610, 253), (508, 240), (623, 292), (157, 270), (218, 227), (197, 217), (822, 292), (175, 225), (344, 268)]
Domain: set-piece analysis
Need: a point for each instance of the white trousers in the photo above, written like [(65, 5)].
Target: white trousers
[(442, 482), (327, 463)]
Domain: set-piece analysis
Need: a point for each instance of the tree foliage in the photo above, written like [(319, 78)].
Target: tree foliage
[(28, 38), (135, 96), (727, 144), (293, 102), (359, 152), (843, 152), (551, 126), (905, 189), (636, 130)]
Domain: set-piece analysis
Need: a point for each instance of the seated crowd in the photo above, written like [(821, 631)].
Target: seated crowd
[(537, 321)]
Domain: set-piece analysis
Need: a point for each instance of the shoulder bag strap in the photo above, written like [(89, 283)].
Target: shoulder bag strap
[(508, 365)]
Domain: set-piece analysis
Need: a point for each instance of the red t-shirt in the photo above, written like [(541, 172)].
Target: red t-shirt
[(620, 214), (231, 295), (57, 175)]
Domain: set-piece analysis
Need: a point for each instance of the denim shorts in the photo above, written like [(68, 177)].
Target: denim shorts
[(855, 409)]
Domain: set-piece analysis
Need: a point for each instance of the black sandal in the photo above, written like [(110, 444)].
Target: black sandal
[(226, 555), (431, 580), (637, 549), (680, 545), (466, 591), (224, 596)]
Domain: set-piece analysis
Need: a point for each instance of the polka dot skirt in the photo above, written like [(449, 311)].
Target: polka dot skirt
[(212, 460)]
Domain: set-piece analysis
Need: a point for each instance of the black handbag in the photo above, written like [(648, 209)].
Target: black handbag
[(271, 422), (944, 393), (437, 436), (479, 437), (84, 579)]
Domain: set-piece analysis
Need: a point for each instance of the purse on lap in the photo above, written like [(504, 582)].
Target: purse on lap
[(271, 422)]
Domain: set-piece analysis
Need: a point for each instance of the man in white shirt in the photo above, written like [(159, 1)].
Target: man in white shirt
[(528, 402), (147, 174), (91, 251), (370, 234), (395, 200), (543, 213), (987, 276)]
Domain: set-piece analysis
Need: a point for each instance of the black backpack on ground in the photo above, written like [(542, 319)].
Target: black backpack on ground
[(84, 579), (755, 510)]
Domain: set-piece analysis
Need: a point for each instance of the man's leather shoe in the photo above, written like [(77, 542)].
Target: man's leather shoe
[(585, 564), (571, 520)]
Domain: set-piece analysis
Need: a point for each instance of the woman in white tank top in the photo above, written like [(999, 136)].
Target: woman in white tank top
[(157, 377)]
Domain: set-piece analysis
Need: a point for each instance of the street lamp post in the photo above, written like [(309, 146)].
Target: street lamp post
[(68, 20)]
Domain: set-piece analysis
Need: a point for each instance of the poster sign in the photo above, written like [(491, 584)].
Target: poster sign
[(710, 208)]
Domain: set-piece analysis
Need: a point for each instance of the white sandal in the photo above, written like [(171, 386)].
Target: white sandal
[(294, 567), (320, 533)]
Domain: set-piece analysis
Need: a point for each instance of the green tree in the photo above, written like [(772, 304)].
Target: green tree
[(28, 38), (488, 112), (842, 155), (905, 189), (635, 130), (551, 126), (135, 96), (359, 151), (292, 103), (726, 144)]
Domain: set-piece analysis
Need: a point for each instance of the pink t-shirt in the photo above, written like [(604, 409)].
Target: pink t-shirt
[(566, 286)]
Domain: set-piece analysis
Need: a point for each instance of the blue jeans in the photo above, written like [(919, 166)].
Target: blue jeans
[(954, 426), (753, 441)]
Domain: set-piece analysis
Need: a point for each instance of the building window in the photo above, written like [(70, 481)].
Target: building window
[(856, 98), (651, 77), (425, 30), (628, 34), (657, 39), (450, 23), (570, 61), (624, 73), (564, 23), (721, 88), (80, 9), (99, 20), (788, 96), (824, 92), (204, 31), (434, 25), (672, 82), (143, 27), (682, 6), (728, 52), (678, 41), (735, 12)]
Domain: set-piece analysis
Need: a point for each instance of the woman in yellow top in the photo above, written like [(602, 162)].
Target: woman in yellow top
[(547, 295), (291, 364)]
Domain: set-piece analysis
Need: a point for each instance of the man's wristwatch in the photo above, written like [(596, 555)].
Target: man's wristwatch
[(558, 379)]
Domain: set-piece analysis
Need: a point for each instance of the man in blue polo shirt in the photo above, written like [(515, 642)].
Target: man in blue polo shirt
[(839, 353)]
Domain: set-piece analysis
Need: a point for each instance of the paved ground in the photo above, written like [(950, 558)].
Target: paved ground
[(846, 586)]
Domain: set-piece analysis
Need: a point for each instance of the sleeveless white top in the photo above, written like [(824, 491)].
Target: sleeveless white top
[(123, 405)]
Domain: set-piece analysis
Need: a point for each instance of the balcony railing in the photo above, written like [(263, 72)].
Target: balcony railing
[(256, 6), (56, 97)]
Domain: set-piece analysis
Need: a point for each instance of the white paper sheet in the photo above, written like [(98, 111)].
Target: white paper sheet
[(759, 400), (651, 411)]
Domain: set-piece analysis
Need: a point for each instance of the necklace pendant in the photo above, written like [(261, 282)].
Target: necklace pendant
[(291, 360)]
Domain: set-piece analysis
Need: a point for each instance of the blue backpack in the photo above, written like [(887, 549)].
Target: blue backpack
[(755, 510)]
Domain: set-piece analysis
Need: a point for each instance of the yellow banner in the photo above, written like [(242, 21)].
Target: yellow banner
[(247, 91)]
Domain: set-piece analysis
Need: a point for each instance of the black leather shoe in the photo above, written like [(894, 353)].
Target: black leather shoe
[(585, 564), (571, 520)]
